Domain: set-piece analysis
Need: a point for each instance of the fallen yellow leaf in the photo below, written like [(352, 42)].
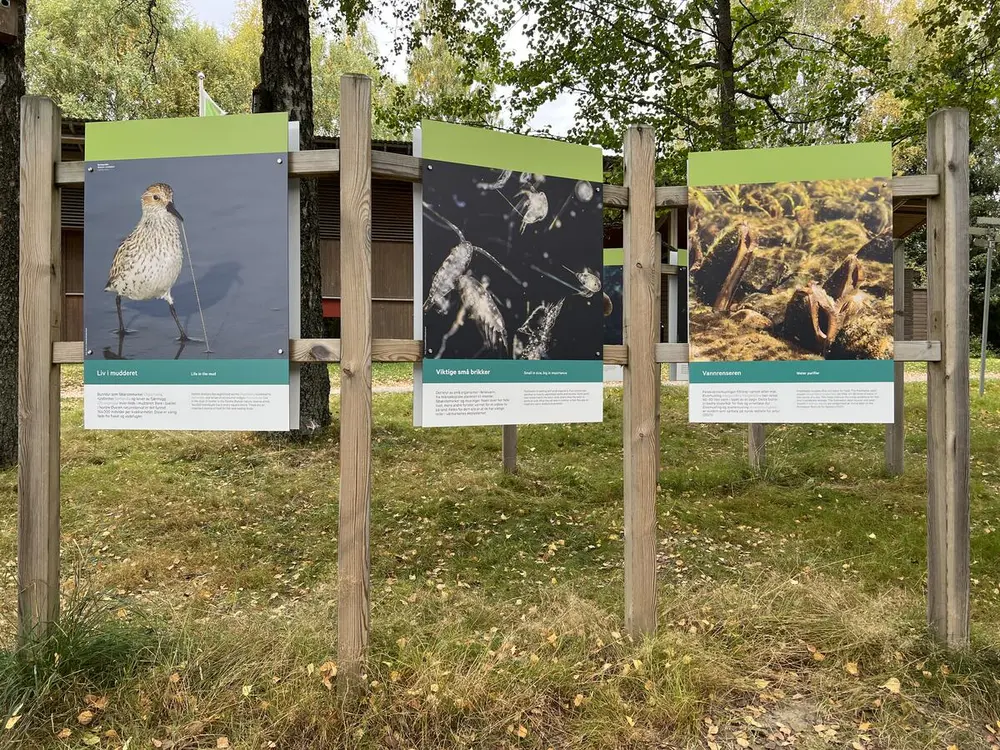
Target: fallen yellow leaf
[(851, 668), (64, 734), (761, 684), (952, 747), (864, 726), (742, 742), (328, 670), (818, 656), (222, 743), (522, 731), (892, 685), (85, 717), (630, 720), (98, 704), (12, 721), (175, 678), (578, 699), (435, 687)]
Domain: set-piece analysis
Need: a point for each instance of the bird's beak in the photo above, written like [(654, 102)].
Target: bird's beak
[(173, 209)]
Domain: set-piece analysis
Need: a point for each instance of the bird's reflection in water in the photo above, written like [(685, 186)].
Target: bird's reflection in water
[(119, 354)]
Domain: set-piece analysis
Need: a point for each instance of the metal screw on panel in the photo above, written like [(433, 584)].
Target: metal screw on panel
[(280, 161), (90, 351), (281, 351)]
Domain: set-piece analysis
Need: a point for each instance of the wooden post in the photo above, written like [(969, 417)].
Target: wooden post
[(895, 433), (510, 448), (353, 560), (641, 424), (755, 446), (38, 378), (948, 380)]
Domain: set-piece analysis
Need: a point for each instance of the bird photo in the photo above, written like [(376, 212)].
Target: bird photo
[(148, 262), (184, 258)]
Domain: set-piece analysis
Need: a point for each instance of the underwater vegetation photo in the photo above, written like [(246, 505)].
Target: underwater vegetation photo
[(791, 271)]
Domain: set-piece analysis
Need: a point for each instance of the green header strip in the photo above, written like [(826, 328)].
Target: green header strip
[(186, 372), (806, 371), (614, 257), (478, 147), (513, 371), (187, 136), (848, 161)]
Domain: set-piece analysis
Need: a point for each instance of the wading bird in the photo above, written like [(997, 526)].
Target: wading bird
[(149, 260)]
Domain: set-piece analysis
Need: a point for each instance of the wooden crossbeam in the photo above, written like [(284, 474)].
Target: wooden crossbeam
[(326, 162), (411, 350)]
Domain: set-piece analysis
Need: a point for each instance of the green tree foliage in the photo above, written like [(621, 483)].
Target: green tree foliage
[(704, 73), (134, 72), (958, 68), (337, 54), (440, 84)]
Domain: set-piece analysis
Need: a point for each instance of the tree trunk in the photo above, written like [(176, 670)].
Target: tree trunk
[(728, 135), (11, 91), (286, 85)]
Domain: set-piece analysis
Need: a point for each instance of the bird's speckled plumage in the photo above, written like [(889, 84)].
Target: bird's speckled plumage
[(149, 260)]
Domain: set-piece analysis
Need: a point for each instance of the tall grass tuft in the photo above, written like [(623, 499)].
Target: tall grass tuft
[(91, 648)]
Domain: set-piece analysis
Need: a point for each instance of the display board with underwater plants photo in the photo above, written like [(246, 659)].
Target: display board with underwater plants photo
[(186, 274), (791, 285), (507, 279)]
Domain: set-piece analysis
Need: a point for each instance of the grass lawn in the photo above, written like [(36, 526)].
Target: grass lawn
[(200, 573)]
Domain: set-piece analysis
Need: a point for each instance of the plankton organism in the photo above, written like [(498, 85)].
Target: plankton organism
[(481, 305), (532, 205), (537, 330), (500, 182), (452, 268), (583, 191), (590, 282)]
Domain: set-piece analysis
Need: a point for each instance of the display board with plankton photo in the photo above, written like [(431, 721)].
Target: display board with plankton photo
[(511, 264)]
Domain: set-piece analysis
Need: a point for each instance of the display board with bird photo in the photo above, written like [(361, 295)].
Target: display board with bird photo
[(791, 271), (186, 273)]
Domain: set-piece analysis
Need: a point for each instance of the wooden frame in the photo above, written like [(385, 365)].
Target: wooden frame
[(946, 188)]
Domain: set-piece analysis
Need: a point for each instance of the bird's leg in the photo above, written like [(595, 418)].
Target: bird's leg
[(183, 336), (122, 330)]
